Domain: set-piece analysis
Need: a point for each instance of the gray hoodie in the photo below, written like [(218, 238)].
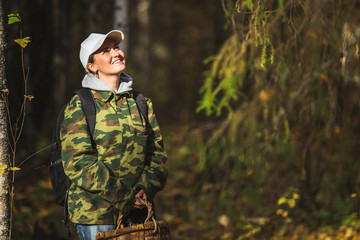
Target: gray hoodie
[(92, 82)]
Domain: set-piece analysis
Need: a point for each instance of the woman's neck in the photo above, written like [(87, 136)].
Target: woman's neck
[(113, 81)]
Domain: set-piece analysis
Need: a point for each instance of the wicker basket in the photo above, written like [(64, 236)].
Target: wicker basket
[(149, 230)]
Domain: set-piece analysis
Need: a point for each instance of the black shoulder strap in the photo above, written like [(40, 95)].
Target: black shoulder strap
[(141, 103), (89, 107)]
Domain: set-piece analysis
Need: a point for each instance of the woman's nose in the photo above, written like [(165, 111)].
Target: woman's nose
[(114, 53)]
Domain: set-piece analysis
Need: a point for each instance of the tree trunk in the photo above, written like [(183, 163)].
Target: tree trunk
[(142, 50), (4, 147), (121, 20), (60, 61)]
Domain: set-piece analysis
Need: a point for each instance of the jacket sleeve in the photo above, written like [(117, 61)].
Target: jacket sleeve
[(80, 159), (154, 176)]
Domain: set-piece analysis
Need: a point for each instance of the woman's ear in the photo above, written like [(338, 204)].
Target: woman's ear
[(91, 67)]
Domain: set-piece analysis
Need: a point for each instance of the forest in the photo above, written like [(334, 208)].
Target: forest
[(258, 103)]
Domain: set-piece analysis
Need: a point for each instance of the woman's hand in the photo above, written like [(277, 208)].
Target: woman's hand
[(140, 194)]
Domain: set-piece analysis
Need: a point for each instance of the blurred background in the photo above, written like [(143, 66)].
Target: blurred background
[(258, 102)]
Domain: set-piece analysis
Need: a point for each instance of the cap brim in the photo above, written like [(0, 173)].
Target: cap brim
[(115, 35)]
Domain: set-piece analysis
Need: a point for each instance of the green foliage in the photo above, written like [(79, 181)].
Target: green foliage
[(351, 220), (13, 18), (224, 82), (288, 79)]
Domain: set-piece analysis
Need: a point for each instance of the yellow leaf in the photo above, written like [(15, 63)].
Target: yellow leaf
[(30, 97), (282, 212), (296, 196), (281, 201), (325, 78), (5, 91), (291, 203), (337, 130), (238, 6), (279, 211), (2, 168), (23, 42), (15, 169), (265, 95)]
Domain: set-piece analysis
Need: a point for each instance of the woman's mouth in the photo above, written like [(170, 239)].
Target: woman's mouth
[(118, 61)]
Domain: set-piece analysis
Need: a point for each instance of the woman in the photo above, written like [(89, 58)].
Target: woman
[(124, 159)]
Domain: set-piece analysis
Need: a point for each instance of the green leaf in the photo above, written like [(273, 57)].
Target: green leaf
[(13, 18), (209, 59), (249, 5)]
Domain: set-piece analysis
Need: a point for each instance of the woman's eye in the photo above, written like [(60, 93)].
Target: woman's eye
[(116, 48)]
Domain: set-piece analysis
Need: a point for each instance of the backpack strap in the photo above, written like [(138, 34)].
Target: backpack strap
[(89, 106), (141, 104)]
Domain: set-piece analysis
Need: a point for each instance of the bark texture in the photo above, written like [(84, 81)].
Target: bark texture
[(4, 147), (121, 20)]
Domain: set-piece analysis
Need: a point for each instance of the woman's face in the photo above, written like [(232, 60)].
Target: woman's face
[(108, 60)]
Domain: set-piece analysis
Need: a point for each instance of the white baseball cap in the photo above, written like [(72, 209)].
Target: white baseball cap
[(94, 41)]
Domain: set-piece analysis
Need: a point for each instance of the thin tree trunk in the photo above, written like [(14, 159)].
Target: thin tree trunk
[(142, 51), (4, 147), (60, 69), (121, 20)]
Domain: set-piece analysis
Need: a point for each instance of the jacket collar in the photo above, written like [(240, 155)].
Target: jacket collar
[(105, 96)]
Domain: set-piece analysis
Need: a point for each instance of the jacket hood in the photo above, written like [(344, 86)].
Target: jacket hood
[(92, 82)]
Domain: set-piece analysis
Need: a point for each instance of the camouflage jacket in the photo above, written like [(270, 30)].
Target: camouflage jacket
[(129, 156)]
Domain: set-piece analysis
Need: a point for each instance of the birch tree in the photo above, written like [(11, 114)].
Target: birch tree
[(121, 20), (4, 147), (142, 50)]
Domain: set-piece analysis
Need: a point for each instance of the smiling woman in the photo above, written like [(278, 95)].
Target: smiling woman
[(124, 158), (107, 63)]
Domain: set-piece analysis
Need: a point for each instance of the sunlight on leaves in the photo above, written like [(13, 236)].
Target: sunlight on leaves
[(13, 18), (282, 212), (289, 198), (23, 42)]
